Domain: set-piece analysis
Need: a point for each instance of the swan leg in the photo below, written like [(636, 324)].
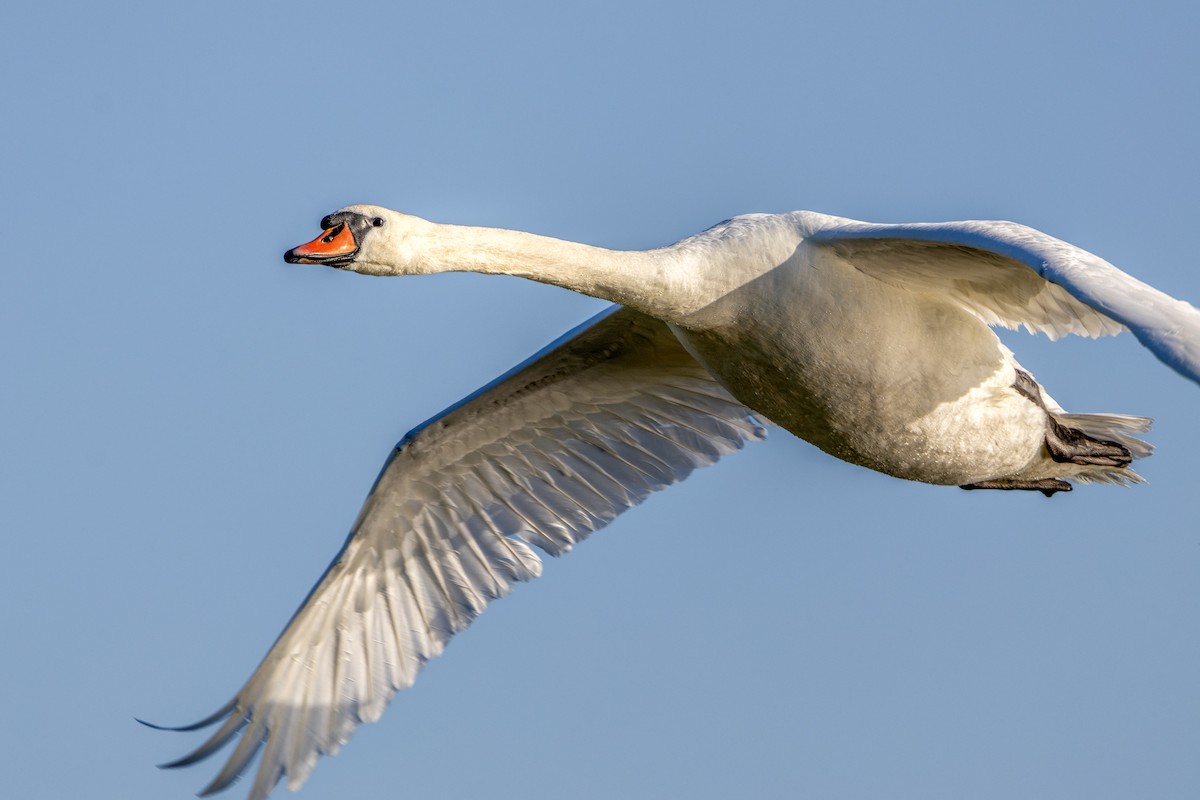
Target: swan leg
[(1073, 446), (1068, 445), (1047, 486)]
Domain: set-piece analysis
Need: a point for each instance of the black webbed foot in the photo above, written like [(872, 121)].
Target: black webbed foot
[(1047, 486)]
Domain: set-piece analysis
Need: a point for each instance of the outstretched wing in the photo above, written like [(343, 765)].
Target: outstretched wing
[(1012, 275), (543, 456)]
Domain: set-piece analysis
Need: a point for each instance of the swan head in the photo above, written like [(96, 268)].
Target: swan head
[(367, 239)]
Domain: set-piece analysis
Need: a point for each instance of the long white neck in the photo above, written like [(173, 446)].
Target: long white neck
[(661, 283)]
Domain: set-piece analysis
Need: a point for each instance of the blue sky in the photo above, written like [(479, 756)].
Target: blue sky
[(189, 425)]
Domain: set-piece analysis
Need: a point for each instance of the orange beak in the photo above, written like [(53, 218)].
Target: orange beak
[(336, 243)]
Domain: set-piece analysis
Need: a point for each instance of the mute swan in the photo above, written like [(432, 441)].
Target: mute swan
[(870, 341)]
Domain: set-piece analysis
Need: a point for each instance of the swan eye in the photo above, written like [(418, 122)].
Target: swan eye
[(377, 222)]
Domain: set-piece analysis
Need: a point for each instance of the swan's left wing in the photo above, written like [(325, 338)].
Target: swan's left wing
[(543, 456), (1013, 275)]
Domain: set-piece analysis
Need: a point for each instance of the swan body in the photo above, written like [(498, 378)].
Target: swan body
[(870, 341)]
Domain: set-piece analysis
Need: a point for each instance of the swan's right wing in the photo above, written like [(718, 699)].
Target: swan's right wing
[(1013, 275), (543, 456)]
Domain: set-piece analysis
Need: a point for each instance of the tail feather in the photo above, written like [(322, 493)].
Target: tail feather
[(1112, 428)]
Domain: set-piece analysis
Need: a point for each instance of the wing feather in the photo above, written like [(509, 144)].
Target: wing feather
[(1015, 276), (545, 455)]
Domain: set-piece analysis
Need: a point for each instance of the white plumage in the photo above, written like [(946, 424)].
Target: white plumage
[(870, 341)]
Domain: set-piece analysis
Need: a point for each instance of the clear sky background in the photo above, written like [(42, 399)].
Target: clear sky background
[(189, 425)]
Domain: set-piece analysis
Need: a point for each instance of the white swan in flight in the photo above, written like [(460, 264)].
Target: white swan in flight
[(870, 341)]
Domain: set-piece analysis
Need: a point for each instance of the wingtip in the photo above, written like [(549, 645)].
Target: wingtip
[(184, 761), (211, 719)]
